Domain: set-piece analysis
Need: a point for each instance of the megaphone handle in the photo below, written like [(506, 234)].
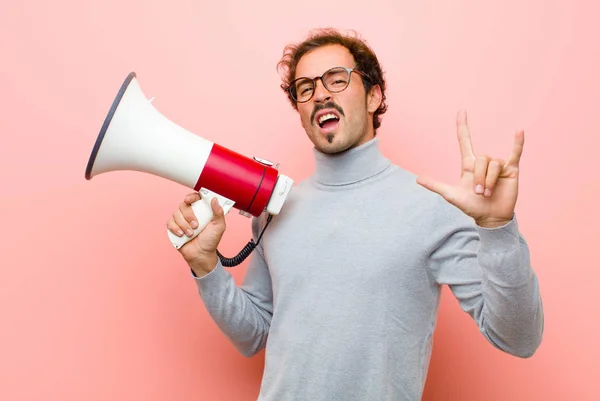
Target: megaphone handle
[(204, 215)]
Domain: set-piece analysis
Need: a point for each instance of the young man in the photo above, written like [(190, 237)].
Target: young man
[(343, 290)]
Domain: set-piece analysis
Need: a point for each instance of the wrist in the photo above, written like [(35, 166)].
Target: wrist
[(202, 266), (492, 223)]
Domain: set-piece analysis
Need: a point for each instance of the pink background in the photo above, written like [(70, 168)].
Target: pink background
[(96, 305)]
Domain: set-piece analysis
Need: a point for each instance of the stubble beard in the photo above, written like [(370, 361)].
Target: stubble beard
[(350, 138), (331, 147)]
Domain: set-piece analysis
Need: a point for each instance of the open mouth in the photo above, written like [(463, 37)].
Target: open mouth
[(328, 121)]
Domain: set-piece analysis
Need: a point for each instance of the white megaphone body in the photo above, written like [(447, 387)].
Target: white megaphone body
[(136, 137)]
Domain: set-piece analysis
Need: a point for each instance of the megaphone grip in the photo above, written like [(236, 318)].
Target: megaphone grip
[(204, 215)]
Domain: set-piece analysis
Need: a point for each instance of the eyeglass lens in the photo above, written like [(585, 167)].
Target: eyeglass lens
[(334, 80)]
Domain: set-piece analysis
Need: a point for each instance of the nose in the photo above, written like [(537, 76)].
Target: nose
[(321, 94)]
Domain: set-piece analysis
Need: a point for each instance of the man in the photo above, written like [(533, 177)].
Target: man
[(343, 290)]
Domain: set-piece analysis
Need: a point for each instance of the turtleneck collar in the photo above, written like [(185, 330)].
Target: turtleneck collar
[(353, 165)]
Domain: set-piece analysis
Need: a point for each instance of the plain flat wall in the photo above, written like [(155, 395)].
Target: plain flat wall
[(94, 302)]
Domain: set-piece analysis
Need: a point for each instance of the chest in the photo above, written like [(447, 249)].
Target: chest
[(349, 243)]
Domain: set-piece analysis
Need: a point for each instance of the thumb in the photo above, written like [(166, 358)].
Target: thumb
[(218, 213), (208, 240), (440, 188)]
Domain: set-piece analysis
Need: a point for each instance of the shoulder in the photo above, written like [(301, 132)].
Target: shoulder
[(431, 207), (297, 194)]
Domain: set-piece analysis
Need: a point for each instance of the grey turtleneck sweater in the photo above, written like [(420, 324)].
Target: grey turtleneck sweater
[(343, 290)]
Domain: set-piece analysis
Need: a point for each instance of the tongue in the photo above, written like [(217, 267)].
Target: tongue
[(330, 123)]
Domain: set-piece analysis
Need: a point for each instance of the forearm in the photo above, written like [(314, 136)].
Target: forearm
[(511, 314), (240, 315)]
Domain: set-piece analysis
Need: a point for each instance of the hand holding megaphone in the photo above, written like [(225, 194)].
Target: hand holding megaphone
[(135, 136), (201, 252), (203, 214)]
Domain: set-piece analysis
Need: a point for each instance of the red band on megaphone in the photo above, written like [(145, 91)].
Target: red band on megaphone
[(243, 180)]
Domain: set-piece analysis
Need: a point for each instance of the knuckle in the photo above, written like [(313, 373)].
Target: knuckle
[(189, 216), (192, 197), (180, 220), (173, 227)]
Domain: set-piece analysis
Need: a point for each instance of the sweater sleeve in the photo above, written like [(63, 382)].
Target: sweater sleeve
[(489, 272), (243, 313)]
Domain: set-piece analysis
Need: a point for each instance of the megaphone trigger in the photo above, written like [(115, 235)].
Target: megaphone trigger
[(204, 215)]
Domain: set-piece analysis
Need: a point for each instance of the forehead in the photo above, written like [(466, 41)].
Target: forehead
[(317, 61)]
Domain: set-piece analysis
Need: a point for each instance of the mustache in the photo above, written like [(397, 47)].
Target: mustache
[(328, 105)]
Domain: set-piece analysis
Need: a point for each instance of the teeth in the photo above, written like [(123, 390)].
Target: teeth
[(327, 117)]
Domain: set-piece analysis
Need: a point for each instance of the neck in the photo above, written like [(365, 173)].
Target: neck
[(351, 166)]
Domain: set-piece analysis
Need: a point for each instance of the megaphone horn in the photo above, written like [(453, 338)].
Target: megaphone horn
[(136, 137)]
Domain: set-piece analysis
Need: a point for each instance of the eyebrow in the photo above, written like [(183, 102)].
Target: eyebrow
[(314, 76)]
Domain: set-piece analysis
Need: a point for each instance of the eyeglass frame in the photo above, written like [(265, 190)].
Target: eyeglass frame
[(314, 81)]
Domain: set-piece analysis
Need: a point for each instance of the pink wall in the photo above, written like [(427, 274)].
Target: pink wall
[(96, 305)]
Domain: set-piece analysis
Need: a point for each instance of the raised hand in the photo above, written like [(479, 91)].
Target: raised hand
[(488, 187)]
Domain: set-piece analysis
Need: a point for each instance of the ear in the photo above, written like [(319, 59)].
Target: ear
[(374, 98)]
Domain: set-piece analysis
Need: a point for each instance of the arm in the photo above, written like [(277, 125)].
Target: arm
[(486, 264), (242, 313), (489, 272)]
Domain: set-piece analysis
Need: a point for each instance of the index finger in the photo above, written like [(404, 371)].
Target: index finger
[(464, 137), (191, 198)]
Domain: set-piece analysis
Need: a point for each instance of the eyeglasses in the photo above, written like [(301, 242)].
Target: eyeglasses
[(334, 80)]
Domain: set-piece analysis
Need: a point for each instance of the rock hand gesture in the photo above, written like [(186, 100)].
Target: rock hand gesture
[(488, 187)]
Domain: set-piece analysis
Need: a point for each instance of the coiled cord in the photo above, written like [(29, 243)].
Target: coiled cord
[(245, 252)]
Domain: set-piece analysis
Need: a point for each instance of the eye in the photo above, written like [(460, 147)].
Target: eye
[(337, 79), (304, 87)]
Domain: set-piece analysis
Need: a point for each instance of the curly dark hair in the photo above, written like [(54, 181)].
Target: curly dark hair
[(365, 58)]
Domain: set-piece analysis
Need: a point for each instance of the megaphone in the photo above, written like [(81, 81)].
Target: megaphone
[(137, 137)]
